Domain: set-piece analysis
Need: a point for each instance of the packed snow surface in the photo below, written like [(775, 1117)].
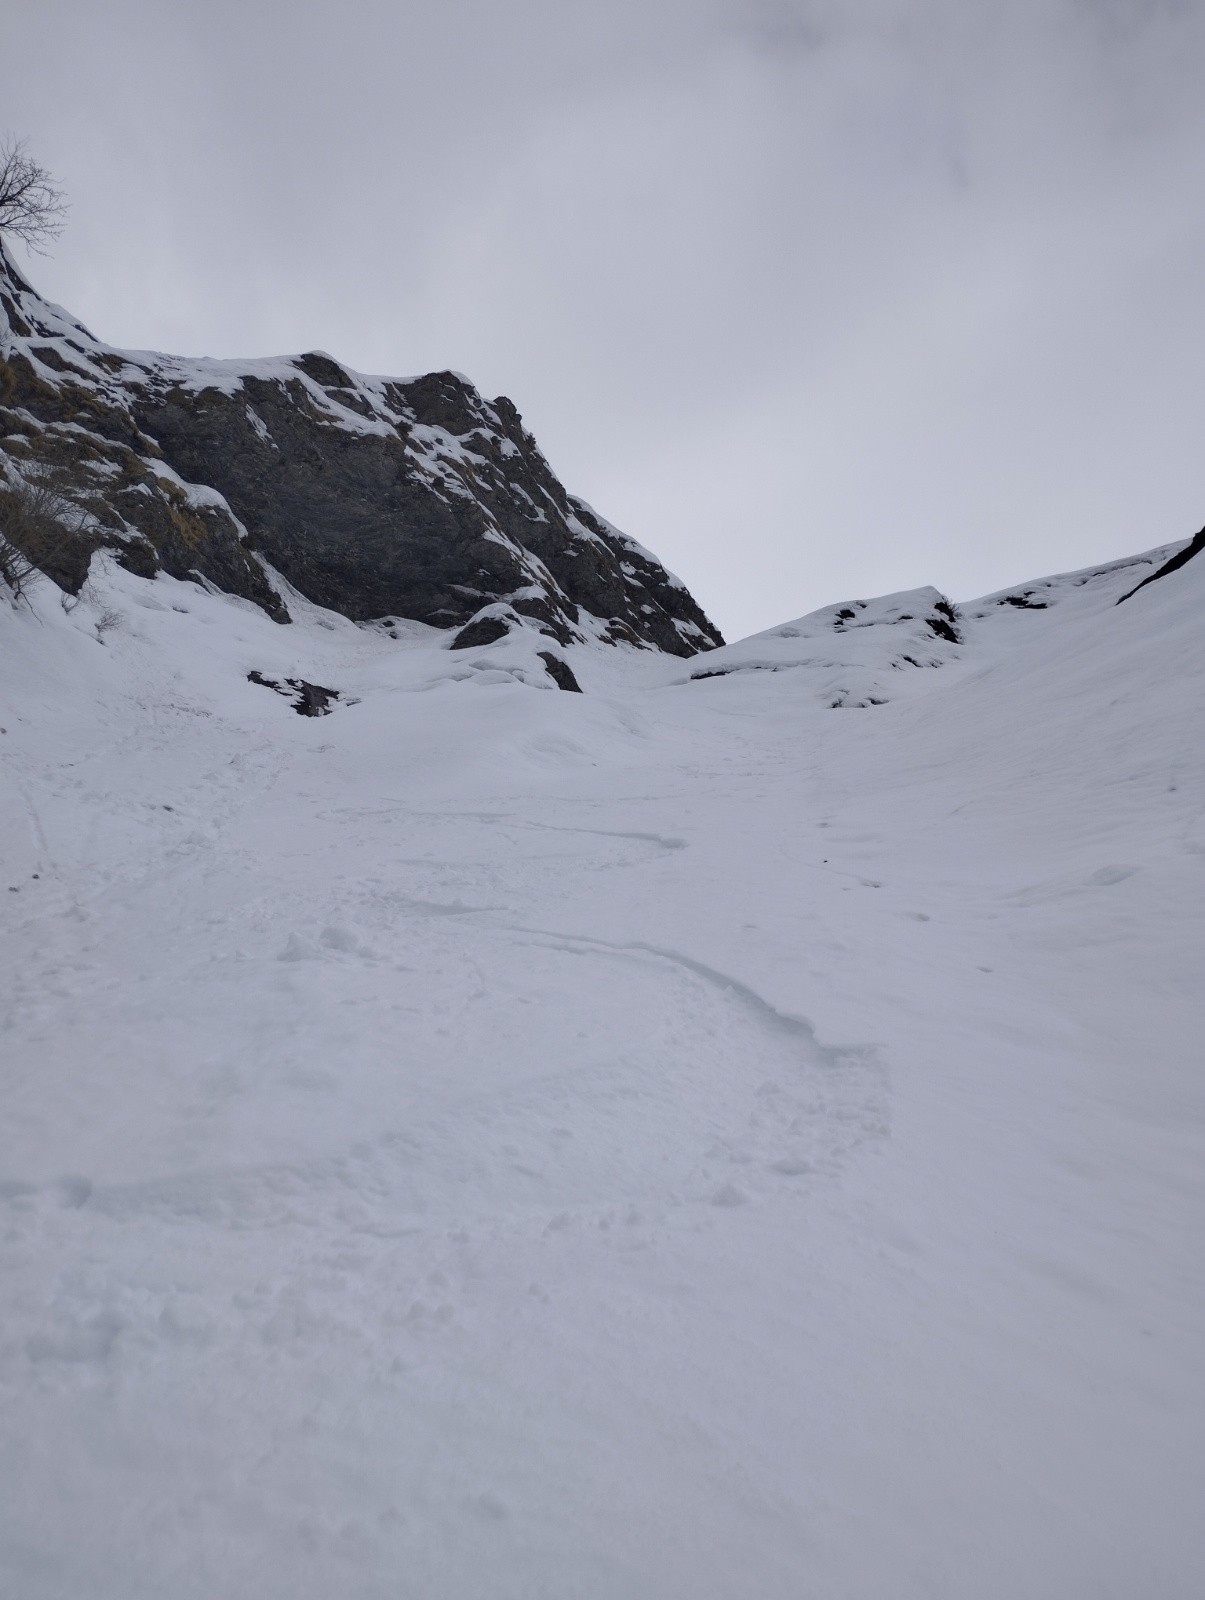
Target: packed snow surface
[(724, 1139)]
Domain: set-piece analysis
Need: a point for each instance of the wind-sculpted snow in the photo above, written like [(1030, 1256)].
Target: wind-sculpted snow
[(668, 1140)]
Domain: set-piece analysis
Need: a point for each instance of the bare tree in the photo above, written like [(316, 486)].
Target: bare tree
[(38, 527), (32, 207)]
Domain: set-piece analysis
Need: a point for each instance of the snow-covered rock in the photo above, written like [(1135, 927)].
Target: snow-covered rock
[(375, 497), (850, 650)]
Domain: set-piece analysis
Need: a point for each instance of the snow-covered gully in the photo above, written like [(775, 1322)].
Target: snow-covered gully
[(708, 1139)]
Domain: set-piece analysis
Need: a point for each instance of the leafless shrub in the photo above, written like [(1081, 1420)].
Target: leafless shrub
[(109, 619), (38, 527), (32, 207)]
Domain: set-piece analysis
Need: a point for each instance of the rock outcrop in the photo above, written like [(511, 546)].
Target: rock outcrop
[(376, 497), (1182, 557)]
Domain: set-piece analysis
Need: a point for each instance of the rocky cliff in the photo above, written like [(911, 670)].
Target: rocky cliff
[(376, 497)]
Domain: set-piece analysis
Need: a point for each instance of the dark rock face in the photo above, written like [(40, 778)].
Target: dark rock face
[(416, 498), (65, 422), (375, 497)]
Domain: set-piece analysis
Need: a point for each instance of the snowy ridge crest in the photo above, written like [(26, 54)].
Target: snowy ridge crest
[(850, 650), (862, 653)]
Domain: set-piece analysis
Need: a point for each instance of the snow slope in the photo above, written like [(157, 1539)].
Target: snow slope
[(678, 1140)]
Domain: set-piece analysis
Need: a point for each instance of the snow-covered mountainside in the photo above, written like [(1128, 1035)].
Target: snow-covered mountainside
[(714, 1136), (377, 497)]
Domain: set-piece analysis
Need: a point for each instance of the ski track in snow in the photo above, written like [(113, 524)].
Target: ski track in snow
[(679, 1140)]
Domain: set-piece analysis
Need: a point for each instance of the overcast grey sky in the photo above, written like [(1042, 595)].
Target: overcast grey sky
[(817, 298)]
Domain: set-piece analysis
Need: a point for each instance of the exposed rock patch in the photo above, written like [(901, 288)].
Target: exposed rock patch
[(486, 629), (309, 699), (560, 672), (1193, 548)]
